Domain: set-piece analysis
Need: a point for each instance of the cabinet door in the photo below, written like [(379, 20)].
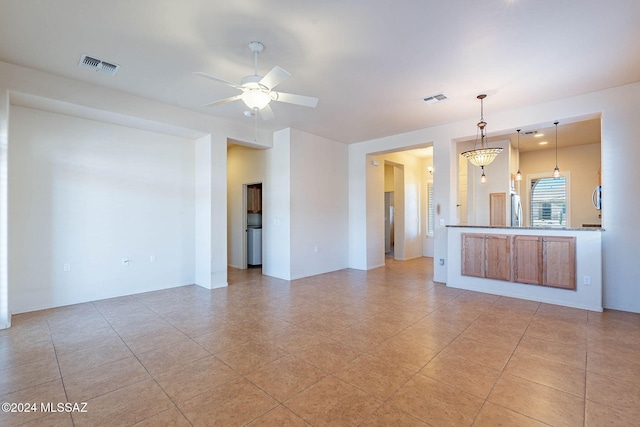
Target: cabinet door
[(498, 256), (498, 209), (559, 262), (473, 255), (527, 260)]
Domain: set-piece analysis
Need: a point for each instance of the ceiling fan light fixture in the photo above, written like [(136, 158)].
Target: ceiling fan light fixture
[(256, 99), (257, 91)]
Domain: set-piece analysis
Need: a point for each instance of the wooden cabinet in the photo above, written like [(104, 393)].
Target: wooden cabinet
[(254, 198), (486, 255), (535, 260), (498, 256), (498, 209), (527, 259), (473, 255), (545, 260), (559, 262)]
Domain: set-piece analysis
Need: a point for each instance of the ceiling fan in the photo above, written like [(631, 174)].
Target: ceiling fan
[(257, 91)]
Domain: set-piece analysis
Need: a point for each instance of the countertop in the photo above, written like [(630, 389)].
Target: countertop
[(530, 228)]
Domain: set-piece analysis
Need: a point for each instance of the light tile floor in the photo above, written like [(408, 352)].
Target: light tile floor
[(386, 347)]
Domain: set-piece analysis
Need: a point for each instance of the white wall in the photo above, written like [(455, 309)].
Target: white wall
[(5, 314), (218, 220), (88, 194), (305, 207), (244, 166), (276, 208), (203, 208), (319, 205)]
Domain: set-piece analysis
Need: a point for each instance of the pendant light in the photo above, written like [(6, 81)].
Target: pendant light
[(518, 174), (484, 155), (556, 171)]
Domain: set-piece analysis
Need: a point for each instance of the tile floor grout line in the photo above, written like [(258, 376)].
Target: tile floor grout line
[(152, 377), (504, 366), (539, 326), (507, 363), (55, 352)]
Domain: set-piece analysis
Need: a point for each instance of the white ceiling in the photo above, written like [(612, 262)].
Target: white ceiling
[(369, 61)]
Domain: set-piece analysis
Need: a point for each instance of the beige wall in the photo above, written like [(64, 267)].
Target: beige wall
[(245, 165), (583, 164), (388, 178)]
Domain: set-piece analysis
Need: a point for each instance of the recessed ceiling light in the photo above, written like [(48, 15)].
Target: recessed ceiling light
[(542, 143)]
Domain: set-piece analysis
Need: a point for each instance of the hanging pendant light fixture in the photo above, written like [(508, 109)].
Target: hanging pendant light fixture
[(484, 155), (556, 171), (518, 174)]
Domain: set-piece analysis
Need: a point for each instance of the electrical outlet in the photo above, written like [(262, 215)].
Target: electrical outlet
[(587, 280), (441, 261), (152, 258), (67, 266)]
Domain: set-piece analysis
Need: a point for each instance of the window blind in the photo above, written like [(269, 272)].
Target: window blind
[(549, 202)]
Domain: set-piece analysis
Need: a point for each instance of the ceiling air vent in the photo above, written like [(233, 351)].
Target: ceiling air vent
[(434, 99), (95, 64)]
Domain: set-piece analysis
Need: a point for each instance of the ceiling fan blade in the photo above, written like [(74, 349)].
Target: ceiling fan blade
[(223, 101), (274, 77), (307, 101), (217, 79), (266, 113)]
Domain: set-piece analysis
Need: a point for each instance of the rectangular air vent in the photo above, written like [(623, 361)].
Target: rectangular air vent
[(95, 64), (434, 99)]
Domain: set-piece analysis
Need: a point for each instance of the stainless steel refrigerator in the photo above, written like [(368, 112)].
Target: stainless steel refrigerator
[(516, 211)]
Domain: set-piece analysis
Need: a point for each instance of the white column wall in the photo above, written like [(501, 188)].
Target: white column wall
[(276, 207), (319, 205), (218, 210), (203, 207), (5, 316)]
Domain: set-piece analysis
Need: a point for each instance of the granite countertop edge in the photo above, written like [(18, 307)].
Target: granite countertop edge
[(529, 228)]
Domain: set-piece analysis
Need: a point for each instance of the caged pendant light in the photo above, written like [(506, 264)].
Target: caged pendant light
[(484, 155), (556, 171)]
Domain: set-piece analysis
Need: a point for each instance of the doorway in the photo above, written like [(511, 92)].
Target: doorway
[(394, 209), (388, 223), (252, 208)]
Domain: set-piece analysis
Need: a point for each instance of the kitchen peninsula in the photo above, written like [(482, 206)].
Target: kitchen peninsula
[(560, 266)]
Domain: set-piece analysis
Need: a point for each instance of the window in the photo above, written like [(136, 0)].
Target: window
[(549, 202), (430, 215)]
